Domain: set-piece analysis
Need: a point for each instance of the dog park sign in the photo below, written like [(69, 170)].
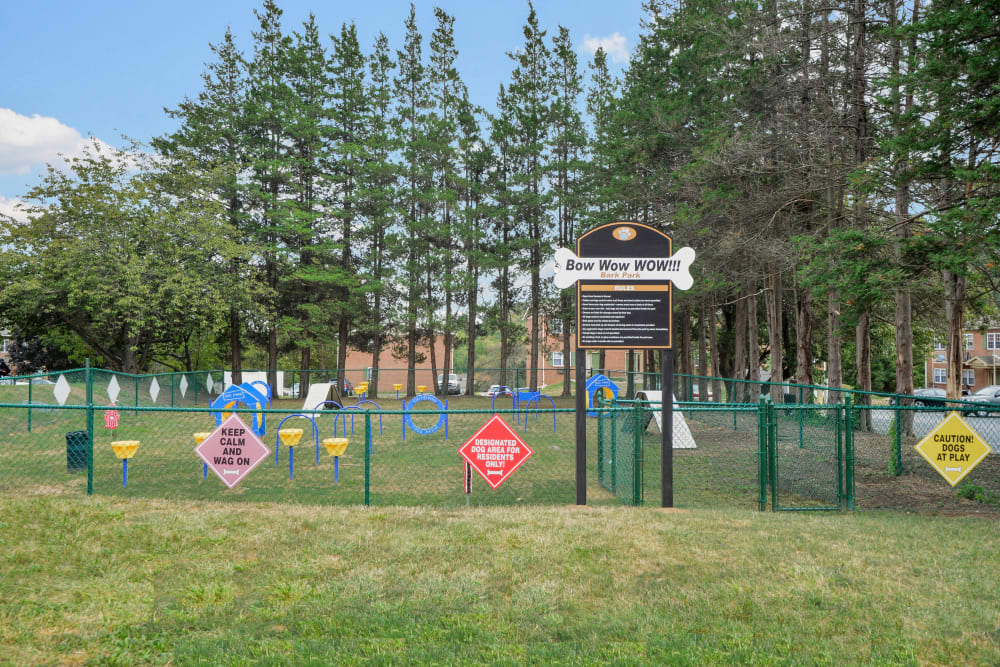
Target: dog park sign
[(624, 274), (953, 448), (232, 450)]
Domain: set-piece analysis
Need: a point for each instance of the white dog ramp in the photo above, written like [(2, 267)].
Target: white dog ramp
[(319, 392), (682, 432)]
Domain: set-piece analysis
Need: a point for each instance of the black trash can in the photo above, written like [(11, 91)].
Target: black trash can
[(76, 450)]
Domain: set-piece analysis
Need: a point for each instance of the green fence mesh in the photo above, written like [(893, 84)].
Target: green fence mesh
[(800, 453)]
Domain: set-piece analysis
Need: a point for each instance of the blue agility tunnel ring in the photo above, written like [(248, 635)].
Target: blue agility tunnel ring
[(442, 417)]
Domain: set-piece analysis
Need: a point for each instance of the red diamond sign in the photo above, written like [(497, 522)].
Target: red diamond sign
[(495, 451), (232, 451)]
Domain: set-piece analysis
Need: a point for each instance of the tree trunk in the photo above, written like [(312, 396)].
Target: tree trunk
[(835, 376), (753, 347), (536, 302), (567, 353), (470, 333), (954, 309), (343, 331), (272, 359), (685, 364), (235, 347), (773, 302), (863, 362), (702, 355), (803, 337), (713, 345), (740, 348), (304, 374), (904, 301)]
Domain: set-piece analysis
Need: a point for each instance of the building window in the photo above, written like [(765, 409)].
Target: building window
[(555, 326), (993, 341), (968, 341), (968, 377), (938, 345), (940, 376), (557, 360)]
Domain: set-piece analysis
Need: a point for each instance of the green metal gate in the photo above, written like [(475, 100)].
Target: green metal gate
[(806, 463)]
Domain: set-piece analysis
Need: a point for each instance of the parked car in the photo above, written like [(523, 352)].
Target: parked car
[(988, 396), (499, 390), (453, 385), (696, 396), (926, 396)]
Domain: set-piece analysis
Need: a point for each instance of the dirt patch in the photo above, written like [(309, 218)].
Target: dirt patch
[(919, 488)]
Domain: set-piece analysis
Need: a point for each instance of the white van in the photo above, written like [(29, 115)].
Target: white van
[(453, 386)]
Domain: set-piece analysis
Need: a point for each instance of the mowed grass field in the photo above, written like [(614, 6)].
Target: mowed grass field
[(112, 580)]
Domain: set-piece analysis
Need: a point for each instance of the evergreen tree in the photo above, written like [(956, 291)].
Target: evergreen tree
[(213, 141), (271, 155), (378, 199), (528, 99), (307, 317), (447, 93), (410, 127), (566, 168), (348, 116)]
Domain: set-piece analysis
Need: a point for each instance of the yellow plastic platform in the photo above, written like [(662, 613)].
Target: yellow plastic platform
[(200, 437), (290, 436), (125, 449), (335, 446)]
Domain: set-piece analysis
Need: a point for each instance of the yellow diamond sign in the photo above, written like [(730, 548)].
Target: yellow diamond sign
[(953, 448)]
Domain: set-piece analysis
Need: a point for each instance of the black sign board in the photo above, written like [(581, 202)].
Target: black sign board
[(616, 311)]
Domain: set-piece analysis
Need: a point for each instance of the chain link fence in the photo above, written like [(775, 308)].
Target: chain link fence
[(812, 454)]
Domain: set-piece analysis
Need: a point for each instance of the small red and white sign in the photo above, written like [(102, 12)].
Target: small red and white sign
[(111, 419), (495, 451), (232, 451)]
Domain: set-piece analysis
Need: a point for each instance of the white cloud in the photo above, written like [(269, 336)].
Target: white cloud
[(614, 45), (9, 207), (28, 142)]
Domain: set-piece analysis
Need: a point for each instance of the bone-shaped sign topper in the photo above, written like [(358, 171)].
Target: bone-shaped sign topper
[(676, 269)]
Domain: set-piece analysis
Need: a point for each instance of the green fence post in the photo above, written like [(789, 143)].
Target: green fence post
[(172, 378), (849, 450), (30, 386), (839, 428), (368, 457), (614, 464), (801, 411), (772, 449), (899, 442), (90, 429), (762, 454), (614, 432), (599, 404), (637, 458)]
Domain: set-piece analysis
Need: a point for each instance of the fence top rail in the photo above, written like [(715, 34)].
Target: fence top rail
[(348, 410)]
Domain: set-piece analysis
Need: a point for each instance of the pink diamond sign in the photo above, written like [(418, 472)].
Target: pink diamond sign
[(232, 451)]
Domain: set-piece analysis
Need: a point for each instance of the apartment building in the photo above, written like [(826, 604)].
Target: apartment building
[(980, 360)]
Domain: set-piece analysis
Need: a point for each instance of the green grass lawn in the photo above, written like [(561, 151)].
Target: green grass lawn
[(127, 581)]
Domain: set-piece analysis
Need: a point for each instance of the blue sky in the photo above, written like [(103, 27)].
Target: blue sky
[(103, 68)]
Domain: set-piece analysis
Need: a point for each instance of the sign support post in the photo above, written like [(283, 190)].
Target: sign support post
[(580, 395), (667, 412)]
